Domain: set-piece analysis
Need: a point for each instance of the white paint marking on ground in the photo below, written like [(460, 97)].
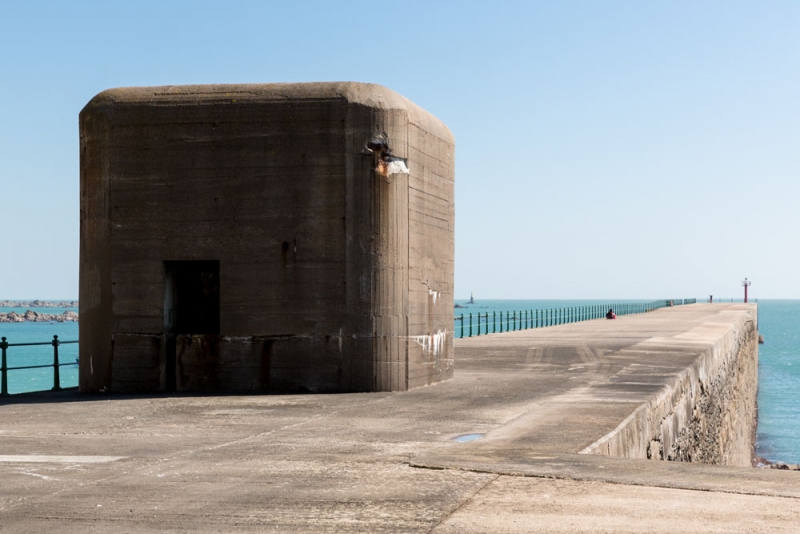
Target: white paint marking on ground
[(47, 459), (37, 475)]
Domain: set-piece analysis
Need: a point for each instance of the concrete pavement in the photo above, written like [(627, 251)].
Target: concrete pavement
[(390, 462)]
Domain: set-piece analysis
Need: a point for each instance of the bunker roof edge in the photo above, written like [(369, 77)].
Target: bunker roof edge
[(366, 94)]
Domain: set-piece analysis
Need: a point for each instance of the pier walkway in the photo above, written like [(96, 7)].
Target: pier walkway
[(392, 462)]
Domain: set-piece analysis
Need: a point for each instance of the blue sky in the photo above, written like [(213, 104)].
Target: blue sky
[(603, 149)]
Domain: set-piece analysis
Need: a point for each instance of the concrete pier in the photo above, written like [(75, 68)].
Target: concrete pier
[(552, 407)]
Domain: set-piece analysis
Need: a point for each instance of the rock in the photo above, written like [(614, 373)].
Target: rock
[(36, 317), (38, 303), (14, 317), (785, 467)]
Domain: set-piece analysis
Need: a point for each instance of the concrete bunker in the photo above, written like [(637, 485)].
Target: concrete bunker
[(264, 238)]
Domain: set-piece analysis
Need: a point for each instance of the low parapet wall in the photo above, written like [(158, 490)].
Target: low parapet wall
[(706, 413)]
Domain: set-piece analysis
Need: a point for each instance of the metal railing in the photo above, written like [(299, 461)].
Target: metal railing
[(510, 321), (4, 368)]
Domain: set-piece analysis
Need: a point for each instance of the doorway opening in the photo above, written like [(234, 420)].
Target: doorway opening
[(191, 306)]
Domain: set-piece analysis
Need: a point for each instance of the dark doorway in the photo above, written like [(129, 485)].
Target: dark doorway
[(191, 306)]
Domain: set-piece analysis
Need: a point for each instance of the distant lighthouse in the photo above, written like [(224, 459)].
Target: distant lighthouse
[(471, 297)]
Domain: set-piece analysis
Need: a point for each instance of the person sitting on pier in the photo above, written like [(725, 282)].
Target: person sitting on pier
[(611, 314)]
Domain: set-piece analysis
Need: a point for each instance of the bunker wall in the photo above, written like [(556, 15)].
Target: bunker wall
[(326, 265)]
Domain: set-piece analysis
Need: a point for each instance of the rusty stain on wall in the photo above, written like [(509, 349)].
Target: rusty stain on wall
[(385, 162)]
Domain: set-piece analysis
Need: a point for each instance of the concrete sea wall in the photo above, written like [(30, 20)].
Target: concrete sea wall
[(707, 412)]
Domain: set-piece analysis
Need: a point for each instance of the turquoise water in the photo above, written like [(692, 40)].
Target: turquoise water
[(40, 379), (779, 362), (779, 381), (5, 309)]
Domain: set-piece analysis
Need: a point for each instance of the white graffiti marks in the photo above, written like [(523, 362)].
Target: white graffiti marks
[(432, 343)]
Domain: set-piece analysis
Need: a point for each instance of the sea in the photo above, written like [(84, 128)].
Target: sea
[(778, 438), (40, 379)]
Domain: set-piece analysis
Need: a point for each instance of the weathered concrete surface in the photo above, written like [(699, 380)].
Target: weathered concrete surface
[(386, 462), (326, 265), (704, 413)]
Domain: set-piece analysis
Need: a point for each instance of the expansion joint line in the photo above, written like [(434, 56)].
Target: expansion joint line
[(464, 502)]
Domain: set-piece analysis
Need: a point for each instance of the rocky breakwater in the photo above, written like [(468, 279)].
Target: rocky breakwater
[(36, 317), (38, 303)]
